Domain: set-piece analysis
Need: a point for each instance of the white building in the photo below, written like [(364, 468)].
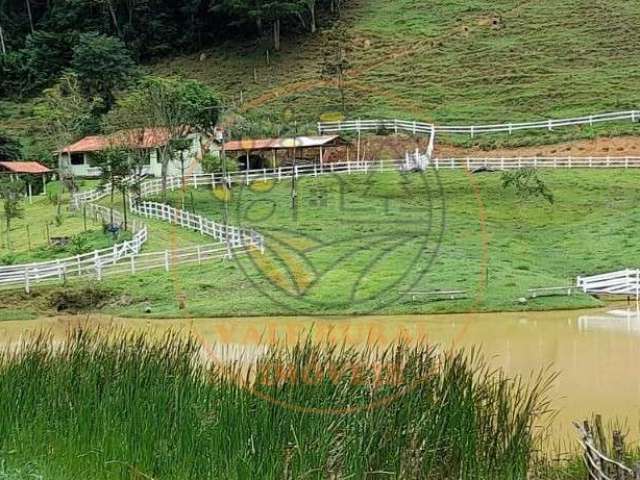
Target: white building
[(149, 142)]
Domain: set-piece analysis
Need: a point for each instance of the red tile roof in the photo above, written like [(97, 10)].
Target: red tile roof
[(283, 143), (24, 167), (139, 139)]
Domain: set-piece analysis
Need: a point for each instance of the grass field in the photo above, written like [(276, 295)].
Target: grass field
[(445, 62), (358, 243), (130, 406)]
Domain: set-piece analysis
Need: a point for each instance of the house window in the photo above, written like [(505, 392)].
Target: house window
[(77, 159)]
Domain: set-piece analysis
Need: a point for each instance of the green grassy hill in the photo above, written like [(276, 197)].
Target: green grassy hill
[(356, 244), (447, 61)]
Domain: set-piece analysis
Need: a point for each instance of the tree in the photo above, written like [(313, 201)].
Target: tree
[(46, 55), (265, 11), (174, 105), (115, 170), (102, 65), (65, 113), (10, 148), (11, 193)]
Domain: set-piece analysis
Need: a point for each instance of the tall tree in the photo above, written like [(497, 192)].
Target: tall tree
[(175, 107), (11, 193), (10, 148), (115, 169), (102, 64)]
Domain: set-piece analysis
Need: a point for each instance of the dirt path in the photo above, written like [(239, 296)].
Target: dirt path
[(394, 147), (616, 146)]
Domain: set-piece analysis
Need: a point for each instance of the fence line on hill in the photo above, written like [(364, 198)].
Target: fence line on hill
[(428, 128), (508, 163), (234, 237), (88, 264)]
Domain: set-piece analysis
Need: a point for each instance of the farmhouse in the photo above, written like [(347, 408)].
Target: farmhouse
[(148, 142)]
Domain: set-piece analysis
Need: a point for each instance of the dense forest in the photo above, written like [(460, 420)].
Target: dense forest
[(40, 39)]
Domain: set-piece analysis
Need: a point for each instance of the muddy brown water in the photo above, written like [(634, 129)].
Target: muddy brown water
[(596, 352)]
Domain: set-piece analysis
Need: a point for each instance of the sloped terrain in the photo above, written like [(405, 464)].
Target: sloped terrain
[(447, 62)]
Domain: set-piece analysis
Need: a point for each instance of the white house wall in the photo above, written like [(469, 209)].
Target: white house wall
[(192, 163)]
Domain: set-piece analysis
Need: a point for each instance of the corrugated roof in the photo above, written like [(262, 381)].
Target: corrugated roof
[(25, 167), (282, 143), (141, 138)]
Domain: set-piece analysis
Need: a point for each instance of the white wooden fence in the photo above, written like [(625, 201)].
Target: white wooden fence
[(509, 163), (622, 282), (233, 236), (89, 264), (397, 126)]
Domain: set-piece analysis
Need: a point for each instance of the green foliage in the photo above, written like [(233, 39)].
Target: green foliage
[(66, 113), (102, 65), (41, 45), (152, 408), (11, 194), (46, 55), (173, 103), (10, 148), (213, 163), (527, 184)]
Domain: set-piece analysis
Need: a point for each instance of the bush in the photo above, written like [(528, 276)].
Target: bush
[(213, 164), (79, 299)]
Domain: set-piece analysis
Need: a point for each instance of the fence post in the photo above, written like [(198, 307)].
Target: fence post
[(133, 264), (199, 258), (246, 175), (166, 260), (195, 181), (96, 265), (27, 287)]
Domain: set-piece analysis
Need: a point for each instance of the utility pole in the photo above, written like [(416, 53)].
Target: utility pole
[(294, 174)]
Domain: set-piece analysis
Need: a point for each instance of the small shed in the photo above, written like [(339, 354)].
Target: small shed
[(26, 168), (316, 145)]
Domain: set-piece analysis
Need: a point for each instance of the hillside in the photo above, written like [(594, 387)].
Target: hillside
[(449, 62), (452, 61)]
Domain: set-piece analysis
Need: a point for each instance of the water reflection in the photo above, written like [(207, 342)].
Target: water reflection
[(627, 321)]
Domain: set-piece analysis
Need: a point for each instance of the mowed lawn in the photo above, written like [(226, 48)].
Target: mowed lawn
[(358, 244)]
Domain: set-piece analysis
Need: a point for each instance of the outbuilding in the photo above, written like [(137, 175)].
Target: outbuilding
[(30, 169), (259, 153)]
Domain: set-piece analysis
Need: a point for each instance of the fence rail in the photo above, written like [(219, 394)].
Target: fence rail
[(428, 128), (622, 282), (233, 236)]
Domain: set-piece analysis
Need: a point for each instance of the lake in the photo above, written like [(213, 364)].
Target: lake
[(596, 353)]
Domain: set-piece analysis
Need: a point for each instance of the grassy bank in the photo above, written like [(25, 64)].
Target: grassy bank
[(134, 407)]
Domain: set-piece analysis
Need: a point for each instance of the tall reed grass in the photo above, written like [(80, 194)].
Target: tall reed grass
[(126, 406)]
